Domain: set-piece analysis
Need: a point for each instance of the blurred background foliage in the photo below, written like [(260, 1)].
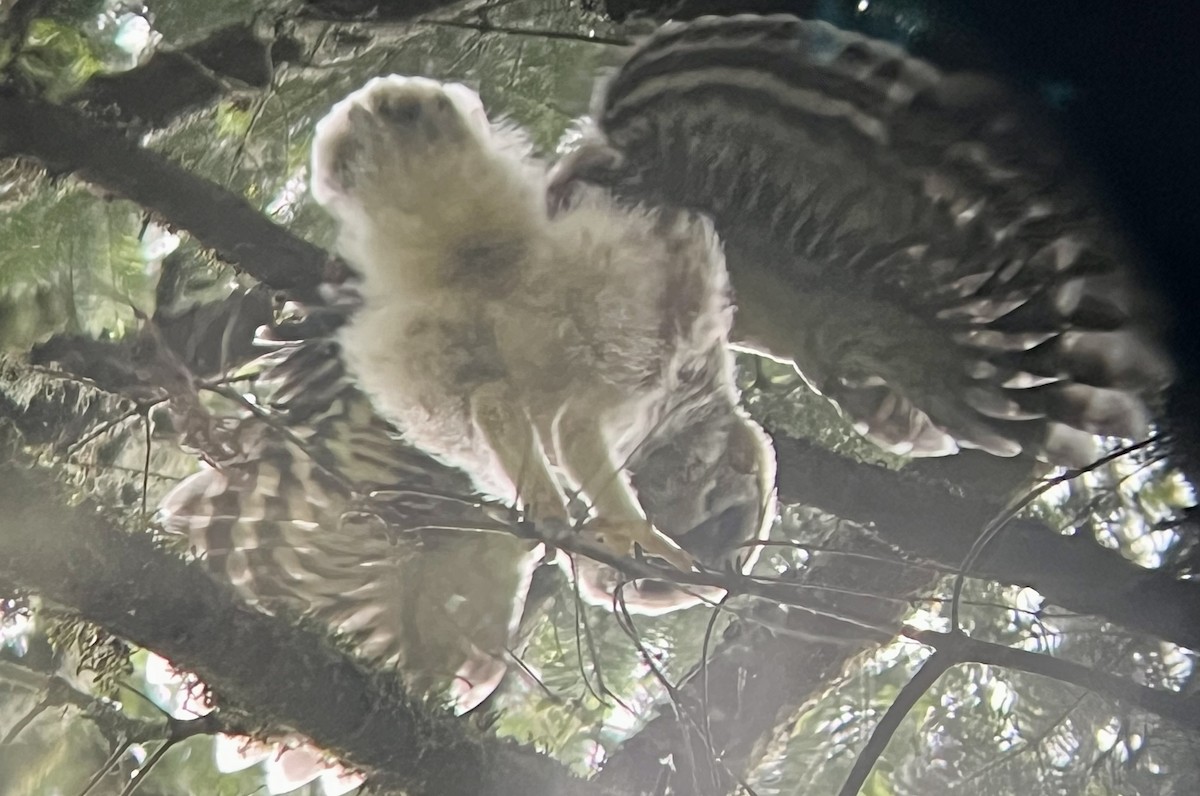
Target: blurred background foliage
[(72, 260)]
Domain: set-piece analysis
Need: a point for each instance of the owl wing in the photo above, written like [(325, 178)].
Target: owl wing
[(917, 242), (283, 524), (287, 524)]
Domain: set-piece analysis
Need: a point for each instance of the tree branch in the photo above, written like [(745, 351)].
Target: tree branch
[(933, 668), (1171, 705), (128, 584), (928, 521), (483, 26), (768, 666), (65, 140), (173, 82), (378, 11), (112, 723)]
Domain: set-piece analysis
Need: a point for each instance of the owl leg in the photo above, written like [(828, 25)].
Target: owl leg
[(510, 434), (619, 523)]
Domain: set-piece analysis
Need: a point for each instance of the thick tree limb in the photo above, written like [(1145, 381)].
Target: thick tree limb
[(65, 140), (925, 520), (173, 82), (257, 664), (1171, 705)]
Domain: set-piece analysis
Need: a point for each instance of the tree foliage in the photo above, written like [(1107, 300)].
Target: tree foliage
[(152, 171)]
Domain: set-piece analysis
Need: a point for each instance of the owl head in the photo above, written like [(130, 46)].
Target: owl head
[(710, 485)]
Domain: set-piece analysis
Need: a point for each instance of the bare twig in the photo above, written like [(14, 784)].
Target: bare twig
[(483, 26), (1175, 707), (922, 681)]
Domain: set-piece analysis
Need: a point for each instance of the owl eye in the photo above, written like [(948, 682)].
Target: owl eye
[(401, 110)]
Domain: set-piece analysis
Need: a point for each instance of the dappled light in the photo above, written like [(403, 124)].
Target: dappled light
[(787, 415)]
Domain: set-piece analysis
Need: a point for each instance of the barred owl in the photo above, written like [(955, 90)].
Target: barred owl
[(326, 513), (538, 354), (918, 243), (302, 519), (503, 342)]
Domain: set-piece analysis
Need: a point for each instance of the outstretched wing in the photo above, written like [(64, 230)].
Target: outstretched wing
[(288, 525), (917, 242), (282, 522)]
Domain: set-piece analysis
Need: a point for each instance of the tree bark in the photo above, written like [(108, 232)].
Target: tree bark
[(283, 672), (925, 520), (67, 141)]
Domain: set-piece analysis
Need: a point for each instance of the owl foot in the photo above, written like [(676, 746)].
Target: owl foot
[(636, 539), (551, 525)]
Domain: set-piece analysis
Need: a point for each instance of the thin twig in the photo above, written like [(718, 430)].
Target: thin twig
[(998, 523), (482, 26), (144, 770), (1170, 705), (906, 700), (117, 753)]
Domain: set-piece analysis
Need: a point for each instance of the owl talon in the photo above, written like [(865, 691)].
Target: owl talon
[(638, 540), (550, 530)]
